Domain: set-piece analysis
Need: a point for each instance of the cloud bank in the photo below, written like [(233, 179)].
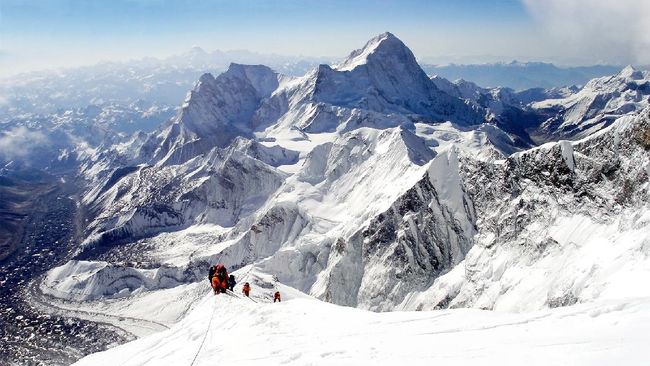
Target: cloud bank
[(20, 142), (613, 31)]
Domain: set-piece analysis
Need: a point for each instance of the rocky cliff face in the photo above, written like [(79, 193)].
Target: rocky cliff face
[(563, 223)]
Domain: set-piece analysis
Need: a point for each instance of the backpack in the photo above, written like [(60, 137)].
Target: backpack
[(211, 272), (221, 271)]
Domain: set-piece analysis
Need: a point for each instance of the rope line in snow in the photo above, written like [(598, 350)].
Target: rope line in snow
[(205, 335)]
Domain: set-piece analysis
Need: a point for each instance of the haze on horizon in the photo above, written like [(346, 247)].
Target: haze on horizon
[(65, 33)]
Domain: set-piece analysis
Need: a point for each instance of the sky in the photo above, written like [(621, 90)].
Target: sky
[(54, 33)]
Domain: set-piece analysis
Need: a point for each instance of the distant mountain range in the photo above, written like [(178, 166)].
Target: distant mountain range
[(165, 81), (151, 80), (521, 75)]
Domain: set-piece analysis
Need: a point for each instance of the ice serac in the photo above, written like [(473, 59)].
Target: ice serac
[(384, 76), (215, 112)]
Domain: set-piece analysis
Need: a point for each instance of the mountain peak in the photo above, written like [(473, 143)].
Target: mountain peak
[(385, 77), (196, 50), (629, 72), (383, 45), (206, 78)]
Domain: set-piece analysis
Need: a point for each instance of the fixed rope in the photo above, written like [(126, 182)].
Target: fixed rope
[(205, 335)]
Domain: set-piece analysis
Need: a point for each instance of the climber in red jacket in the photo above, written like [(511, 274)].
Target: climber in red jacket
[(220, 279)]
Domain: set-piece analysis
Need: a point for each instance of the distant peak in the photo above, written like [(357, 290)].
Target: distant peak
[(629, 72), (235, 67), (249, 71), (196, 51), (206, 78), (386, 35), (385, 44)]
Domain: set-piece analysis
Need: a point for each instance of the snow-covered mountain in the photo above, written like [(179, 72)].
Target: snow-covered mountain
[(344, 104), (598, 104), (367, 184), (384, 76)]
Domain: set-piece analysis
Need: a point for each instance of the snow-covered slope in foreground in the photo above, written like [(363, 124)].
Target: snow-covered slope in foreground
[(236, 331)]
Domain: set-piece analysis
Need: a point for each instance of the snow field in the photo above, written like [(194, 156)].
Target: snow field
[(301, 331)]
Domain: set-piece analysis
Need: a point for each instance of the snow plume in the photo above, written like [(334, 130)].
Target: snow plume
[(20, 141), (609, 31)]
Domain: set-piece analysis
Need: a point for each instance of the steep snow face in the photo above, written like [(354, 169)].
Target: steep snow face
[(599, 103), (215, 112), (229, 99), (559, 224), (340, 186), (385, 77), (332, 229), (380, 85), (219, 188), (426, 231)]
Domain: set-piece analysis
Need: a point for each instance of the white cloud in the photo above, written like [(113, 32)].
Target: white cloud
[(20, 141), (615, 31)]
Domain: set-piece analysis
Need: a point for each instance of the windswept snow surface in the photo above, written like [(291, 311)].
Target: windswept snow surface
[(231, 330)]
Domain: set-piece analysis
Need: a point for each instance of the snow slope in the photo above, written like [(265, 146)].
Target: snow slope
[(564, 223), (301, 331)]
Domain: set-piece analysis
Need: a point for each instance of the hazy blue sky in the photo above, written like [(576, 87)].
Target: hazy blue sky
[(46, 33)]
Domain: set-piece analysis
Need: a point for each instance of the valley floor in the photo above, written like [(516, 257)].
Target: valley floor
[(232, 330), (42, 238)]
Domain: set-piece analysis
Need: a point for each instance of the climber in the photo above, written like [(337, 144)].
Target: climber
[(276, 297), (231, 283), (220, 279), (246, 289)]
